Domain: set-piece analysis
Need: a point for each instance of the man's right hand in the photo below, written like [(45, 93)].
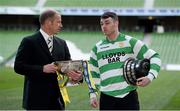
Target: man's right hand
[(49, 68), (75, 76), (94, 102)]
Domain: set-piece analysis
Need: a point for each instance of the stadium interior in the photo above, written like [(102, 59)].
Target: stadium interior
[(158, 18), (162, 26)]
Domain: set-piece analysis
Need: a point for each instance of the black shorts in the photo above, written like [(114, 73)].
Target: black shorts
[(129, 102)]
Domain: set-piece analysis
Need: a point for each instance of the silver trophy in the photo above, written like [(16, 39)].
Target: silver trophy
[(66, 66), (134, 69), (77, 65)]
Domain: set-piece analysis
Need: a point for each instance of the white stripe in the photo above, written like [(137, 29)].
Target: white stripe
[(156, 60), (150, 76), (102, 62), (111, 46), (111, 73), (50, 43), (121, 96), (93, 55), (149, 53), (93, 68), (96, 81), (137, 47), (123, 58), (99, 43), (155, 73), (113, 87), (105, 47), (128, 38)]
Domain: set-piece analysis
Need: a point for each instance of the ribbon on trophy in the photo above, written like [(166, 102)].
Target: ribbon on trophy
[(62, 81), (64, 67), (88, 77)]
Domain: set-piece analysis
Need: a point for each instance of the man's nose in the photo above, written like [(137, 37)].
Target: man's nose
[(61, 25), (103, 26)]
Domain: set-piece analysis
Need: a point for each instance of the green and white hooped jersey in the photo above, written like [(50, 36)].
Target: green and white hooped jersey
[(107, 60)]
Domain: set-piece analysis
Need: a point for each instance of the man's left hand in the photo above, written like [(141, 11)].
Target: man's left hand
[(143, 81)]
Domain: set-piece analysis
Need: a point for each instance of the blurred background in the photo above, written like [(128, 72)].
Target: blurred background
[(156, 22)]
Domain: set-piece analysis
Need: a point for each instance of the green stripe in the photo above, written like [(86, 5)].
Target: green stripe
[(94, 49), (118, 50), (121, 37), (155, 67), (156, 55), (97, 87), (93, 62), (142, 51), (133, 42), (104, 41), (120, 92), (112, 80), (95, 74), (111, 66)]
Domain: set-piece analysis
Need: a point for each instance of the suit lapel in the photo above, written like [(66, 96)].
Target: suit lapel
[(43, 44), (54, 46)]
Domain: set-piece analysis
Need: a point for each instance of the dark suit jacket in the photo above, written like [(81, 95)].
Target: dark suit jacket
[(41, 90)]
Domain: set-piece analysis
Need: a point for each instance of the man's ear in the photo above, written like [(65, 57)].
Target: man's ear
[(117, 23), (48, 22)]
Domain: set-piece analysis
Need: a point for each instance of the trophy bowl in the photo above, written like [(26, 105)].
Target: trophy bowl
[(65, 66), (134, 69)]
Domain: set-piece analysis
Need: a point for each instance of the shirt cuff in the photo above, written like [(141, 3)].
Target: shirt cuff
[(150, 76), (92, 95)]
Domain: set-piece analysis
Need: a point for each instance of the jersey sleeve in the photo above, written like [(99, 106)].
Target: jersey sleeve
[(141, 51), (94, 67)]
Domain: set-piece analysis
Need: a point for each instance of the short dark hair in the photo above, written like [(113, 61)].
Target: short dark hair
[(109, 14), (46, 15)]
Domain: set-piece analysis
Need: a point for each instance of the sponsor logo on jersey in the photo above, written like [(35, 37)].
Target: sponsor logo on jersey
[(121, 44), (104, 47), (113, 57)]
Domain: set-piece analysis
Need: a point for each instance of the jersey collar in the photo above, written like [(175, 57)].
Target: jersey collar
[(121, 37)]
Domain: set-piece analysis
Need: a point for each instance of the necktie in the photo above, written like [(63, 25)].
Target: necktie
[(50, 44)]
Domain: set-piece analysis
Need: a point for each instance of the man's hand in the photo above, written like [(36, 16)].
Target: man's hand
[(143, 81), (94, 102), (75, 76), (49, 68)]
